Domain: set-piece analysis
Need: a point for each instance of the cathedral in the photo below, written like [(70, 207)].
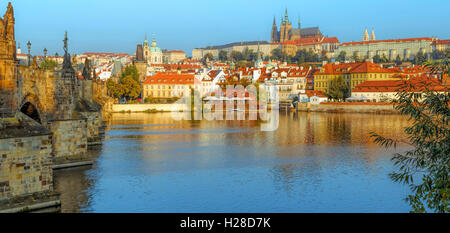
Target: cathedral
[(287, 33)]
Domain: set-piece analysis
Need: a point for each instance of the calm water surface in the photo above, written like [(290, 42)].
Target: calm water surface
[(314, 162)]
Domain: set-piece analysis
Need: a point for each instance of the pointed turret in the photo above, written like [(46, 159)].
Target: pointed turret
[(366, 35), (274, 33), (372, 37), (145, 41), (286, 17), (154, 41)]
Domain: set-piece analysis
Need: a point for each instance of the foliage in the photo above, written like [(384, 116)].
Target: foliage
[(127, 88), (339, 90), (276, 54), (237, 56), (437, 55), (207, 57), (48, 64), (130, 70), (223, 55), (132, 88), (380, 59), (341, 57), (245, 82), (420, 58), (429, 134), (304, 55), (398, 60)]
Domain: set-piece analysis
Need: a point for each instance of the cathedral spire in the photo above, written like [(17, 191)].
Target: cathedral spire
[(372, 37), (154, 41), (286, 18), (366, 35), (145, 41)]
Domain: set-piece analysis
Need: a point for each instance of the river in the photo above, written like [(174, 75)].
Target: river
[(313, 162)]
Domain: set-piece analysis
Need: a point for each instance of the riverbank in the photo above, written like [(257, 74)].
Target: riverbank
[(378, 108)]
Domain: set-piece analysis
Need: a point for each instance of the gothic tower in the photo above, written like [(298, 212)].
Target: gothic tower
[(9, 77), (285, 28), (366, 35), (274, 34)]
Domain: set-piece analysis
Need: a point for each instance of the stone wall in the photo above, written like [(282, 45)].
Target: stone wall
[(25, 166), (148, 107), (69, 140), (348, 108), (95, 125)]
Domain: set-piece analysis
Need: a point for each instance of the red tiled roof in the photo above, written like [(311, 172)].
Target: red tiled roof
[(418, 84), (176, 51), (387, 41), (311, 93), (443, 42), (331, 40), (356, 67), (170, 78)]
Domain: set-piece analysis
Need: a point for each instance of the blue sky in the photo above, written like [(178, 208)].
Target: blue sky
[(118, 25)]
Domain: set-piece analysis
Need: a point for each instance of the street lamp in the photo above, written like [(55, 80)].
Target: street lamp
[(29, 52)]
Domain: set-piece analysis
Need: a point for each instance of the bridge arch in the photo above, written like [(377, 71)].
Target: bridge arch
[(31, 106)]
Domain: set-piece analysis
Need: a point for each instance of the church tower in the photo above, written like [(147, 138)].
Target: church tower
[(372, 37), (146, 48), (274, 35), (366, 35), (285, 28)]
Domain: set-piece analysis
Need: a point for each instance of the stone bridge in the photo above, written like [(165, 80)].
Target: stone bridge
[(47, 117)]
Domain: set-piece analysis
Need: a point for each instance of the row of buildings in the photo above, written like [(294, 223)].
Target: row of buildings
[(290, 40), (284, 80)]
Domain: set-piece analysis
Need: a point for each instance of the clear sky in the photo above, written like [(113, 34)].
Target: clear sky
[(118, 25)]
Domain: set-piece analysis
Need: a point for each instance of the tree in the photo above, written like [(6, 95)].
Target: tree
[(48, 64), (339, 90), (426, 167), (355, 57), (245, 82), (207, 57), (223, 55), (420, 58), (249, 55), (130, 70), (341, 56), (276, 54), (131, 88), (398, 60), (376, 59), (128, 86), (237, 56)]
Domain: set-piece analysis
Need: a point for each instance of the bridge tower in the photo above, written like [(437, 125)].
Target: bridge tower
[(9, 78)]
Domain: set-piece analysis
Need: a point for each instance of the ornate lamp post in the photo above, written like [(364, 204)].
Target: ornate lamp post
[(29, 52)]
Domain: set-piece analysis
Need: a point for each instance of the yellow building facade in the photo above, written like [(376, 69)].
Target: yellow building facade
[(353, 74)]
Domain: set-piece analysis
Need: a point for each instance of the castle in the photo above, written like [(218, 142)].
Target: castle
[(287, 33)]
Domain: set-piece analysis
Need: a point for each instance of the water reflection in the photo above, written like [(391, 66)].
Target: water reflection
[(314, 162)]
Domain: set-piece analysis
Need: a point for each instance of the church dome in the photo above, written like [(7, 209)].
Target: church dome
[(154, 48)]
